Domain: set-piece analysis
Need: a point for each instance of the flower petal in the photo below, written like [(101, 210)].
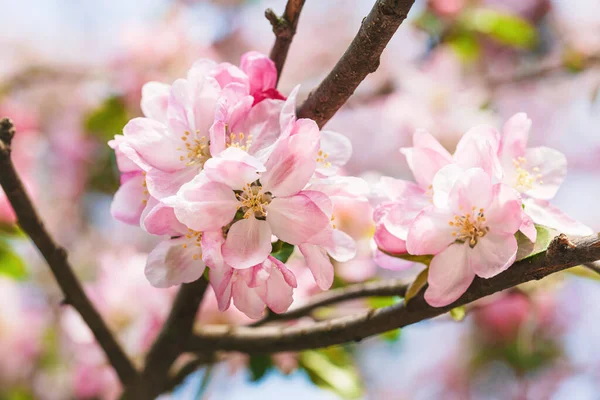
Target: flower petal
[(342, 247), (212, 241), (170, 263), (248, 243), (449, 276), (129, 201), (505, 213), (478, 148), (430, 232), (492, 254), (515, 134), (472, 191), (159, 219), (392, 263), (155, 98), (247, 300), (145, 136), (544, 213), (261, 71), (398, 189), (163, 184), (205, 205), (527, 228), (426, 157), (319, 264), (233, 167), (295, 219), (549, 166), (388, 242), (278, 295), (220, 280), (336, 151)]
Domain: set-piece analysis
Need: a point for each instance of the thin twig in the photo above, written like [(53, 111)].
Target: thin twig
[(190, 368), (561, 254), (170, 342), (360, 59), (56, 257), (392, 287), (284, 29)]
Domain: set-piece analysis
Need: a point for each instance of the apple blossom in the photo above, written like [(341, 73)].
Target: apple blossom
[(471, 234)]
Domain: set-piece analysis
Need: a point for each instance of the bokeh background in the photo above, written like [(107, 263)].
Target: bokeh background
[(70, 78)]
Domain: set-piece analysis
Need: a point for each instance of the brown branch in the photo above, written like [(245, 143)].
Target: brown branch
[(170, 342), (284, 29), (56, 257), (561, 254), (360, 59), (391, 287), (189, 368)]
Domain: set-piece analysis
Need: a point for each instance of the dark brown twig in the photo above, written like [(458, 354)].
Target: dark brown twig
[(392, 287), (284, 29), (56, 257), (561, 254), (360, 59), (170, 342)]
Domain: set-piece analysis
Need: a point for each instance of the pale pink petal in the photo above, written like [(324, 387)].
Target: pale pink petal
[(288, 112), (336, 151), (402, 214), (527, 227), (247, 300), (492, 254), (449, 276), (163, 184), (261, 125), (278, 294), (398, 189), (443, 182), (388, 242), (341, 186), (472, 191), (295, 219), (319, 264), (145, 136), (426, 157), (129, 201), (212, 241), (248, 243), (255, 276), (430, 232), (392, 263), (234, 168), (288, 275), (342, 247), (544, 213), (205, 205), (293, 161), (124, 163), (155, 98), (478, 148), (170, 263), (226, 74), (515, 134), (220, 280), (159, 219), (505, 213), (321, 200), (549, 168)]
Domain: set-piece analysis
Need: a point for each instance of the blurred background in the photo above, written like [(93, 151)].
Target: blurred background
[(70, 77)]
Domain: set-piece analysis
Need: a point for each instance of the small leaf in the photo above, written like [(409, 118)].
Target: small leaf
[(528, 249), (458, 313), (282, 251), (584, 272), (392, 336), (332, 369), (505, 28), (11, 230), (11, 264), (108, 119), (418, 284), (466, 46), (383, 301), (425, 259), (259, 366)]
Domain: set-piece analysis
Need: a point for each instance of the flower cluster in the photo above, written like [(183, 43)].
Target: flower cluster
[(221, 167), (466, 208)]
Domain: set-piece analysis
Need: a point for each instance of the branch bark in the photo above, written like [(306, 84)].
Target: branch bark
[(561, 254), (391, 287), (284, 29), (360, 59), (56, 257), (170, 342)]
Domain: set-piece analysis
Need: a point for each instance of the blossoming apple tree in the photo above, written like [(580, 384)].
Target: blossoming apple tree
[(233, 175)]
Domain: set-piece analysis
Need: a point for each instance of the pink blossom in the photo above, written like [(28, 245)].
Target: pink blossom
[(472, 233), (262, 74), (537, 174)]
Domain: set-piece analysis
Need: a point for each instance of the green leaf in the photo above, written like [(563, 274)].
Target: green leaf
[(528, 249), (466, 46), (392, 336), (383, 301), (108, 119), (425, 259), (259, 366), (11, 264), (505, 28), (12, 230), (17, 394), (282, 251), (458, 313), (333, 369), (418, 284)]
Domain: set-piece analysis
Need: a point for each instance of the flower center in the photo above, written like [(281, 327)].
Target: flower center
[(322, 159), (146, 193), (194, 239), (469, 228), (525, 180), (197, 150), (241, 141), (254, 200)]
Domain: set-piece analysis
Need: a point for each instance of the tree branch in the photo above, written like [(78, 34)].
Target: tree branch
[(56, 257), (391, 287), (284, 29), (561, 254), (170, 342), (360, 59)]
